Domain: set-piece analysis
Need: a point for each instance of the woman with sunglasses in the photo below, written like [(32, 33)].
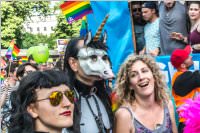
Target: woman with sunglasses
[(42, 103)]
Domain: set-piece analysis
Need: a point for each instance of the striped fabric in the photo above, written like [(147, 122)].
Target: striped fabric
[(23, 59), (13, 50), (75, 10), (9, 90)]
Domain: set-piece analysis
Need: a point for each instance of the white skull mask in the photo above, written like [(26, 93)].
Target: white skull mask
[(94, 62)]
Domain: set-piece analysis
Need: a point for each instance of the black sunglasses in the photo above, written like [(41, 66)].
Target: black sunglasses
[(137, 9), (56, 97)]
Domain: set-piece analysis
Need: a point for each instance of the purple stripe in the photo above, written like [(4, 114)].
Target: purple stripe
[(82, 12), (79, 15)]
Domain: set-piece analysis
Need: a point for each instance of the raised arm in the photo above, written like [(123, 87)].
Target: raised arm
[(4, 92), (179, 37)]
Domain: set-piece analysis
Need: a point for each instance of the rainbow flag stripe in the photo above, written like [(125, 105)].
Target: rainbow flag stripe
[(2, 77), (15, 51), (75, 10), (83, 30), (10, 48), (114, 101), (3, 63), (24, 59)]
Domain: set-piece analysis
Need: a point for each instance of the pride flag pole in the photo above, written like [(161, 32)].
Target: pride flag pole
[(84, 27), (9, 67)]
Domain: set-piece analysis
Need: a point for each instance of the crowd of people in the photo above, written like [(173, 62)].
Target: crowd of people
[(76, 96), (160, 28)]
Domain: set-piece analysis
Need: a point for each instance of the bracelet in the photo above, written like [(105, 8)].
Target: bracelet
[(182, 39)]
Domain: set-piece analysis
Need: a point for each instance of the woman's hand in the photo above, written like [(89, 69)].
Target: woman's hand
[(196, 46), (142, 52), (177, 36), (155, 52)]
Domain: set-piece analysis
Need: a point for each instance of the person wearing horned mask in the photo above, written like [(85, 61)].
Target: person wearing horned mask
[(88, 65)]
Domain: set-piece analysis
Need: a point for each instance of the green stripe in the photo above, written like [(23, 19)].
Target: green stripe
[(77, 10)]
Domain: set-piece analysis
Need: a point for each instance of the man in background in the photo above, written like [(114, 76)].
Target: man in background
[(151, 29), (185, 84), (138, 24), (173, 18)]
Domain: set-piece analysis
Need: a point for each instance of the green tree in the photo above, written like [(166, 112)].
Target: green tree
[(63, 29), (32, 39), (13, 14)]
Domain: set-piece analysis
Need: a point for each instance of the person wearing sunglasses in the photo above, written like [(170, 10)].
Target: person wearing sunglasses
[(42, 103), (139, 24)]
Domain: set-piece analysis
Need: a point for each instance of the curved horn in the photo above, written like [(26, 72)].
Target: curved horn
[(105, 36), (88, 38), (97, 35)]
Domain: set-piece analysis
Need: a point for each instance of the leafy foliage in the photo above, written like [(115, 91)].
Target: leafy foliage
[(63, 29), (13, 14), (32, 40)]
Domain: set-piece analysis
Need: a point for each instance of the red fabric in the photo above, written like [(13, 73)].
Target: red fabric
[(180, 55)]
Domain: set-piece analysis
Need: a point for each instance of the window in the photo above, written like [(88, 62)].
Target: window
[(45, 28), (31, 30), (38, 29)]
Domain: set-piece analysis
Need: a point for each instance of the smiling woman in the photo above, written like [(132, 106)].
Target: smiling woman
[(193, 38), (145, 106), (42, 103)]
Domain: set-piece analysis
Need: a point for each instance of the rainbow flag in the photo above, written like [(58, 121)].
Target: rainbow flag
[(75, 10), (13, 50), (2, 76), (24, 59), (83, 30), (114, 101), (3, 63), (10, 48)]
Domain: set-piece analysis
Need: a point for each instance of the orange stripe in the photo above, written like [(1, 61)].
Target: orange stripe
[(65, 4), (71, 9), (71, 5), (16, 49), (24, 58)]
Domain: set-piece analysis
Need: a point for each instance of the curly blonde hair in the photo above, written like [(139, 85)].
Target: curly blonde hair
[(125, 94)]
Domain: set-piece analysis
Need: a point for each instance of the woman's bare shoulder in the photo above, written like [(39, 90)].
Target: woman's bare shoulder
[(123, 113)]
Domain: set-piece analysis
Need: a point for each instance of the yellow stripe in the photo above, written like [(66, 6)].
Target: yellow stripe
[(75, 7)]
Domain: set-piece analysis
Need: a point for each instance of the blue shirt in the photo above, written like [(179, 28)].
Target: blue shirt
[(152, 36)]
